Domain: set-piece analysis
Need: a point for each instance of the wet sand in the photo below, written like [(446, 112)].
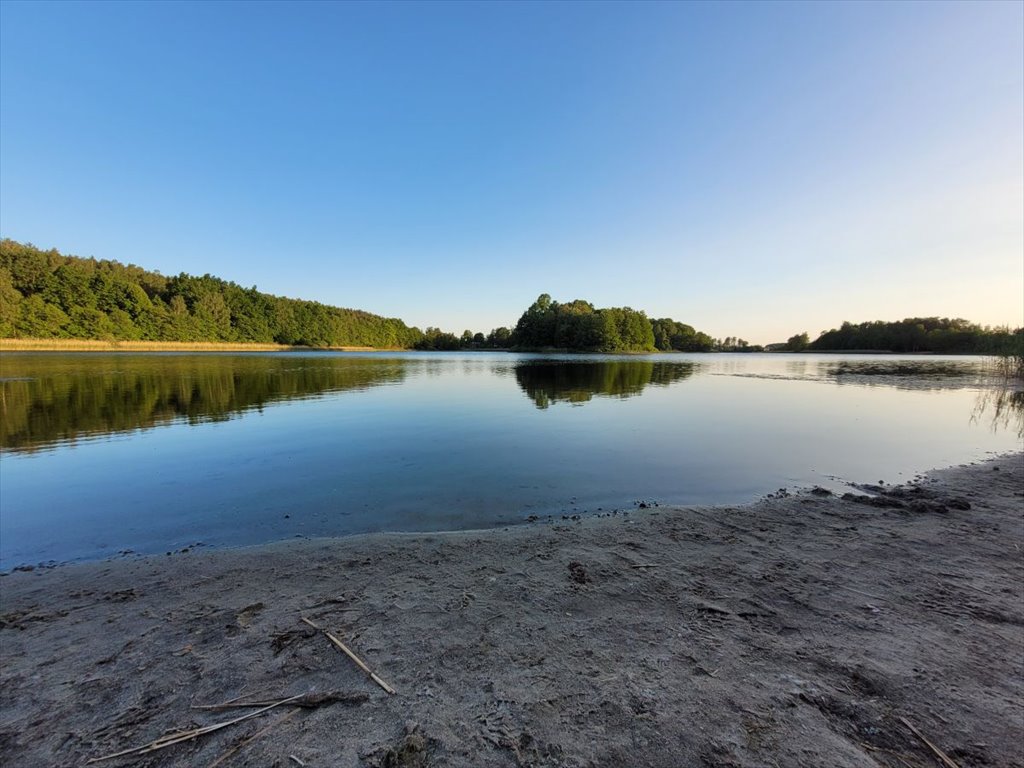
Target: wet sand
[(801, 630)]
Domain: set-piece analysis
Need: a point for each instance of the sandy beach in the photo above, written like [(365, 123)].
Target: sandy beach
[(801, 630)]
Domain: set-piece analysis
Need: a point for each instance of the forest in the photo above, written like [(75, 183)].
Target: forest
[(921, 334), (44, 294)]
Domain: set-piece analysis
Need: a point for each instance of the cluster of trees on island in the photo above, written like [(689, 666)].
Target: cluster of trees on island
[(45, 294), (580, 327)]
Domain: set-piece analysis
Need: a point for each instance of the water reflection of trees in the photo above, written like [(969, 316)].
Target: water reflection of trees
[(45, 400), (548, 382)]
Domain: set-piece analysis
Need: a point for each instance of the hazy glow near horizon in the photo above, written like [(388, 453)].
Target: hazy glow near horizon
[(755, 170)]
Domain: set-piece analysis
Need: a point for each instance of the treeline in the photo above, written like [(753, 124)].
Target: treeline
[(44, 294), (579, 327), (436, 339), (672, 335), (921, 334)]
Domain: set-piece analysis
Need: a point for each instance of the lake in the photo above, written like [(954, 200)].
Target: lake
[(106, 453)]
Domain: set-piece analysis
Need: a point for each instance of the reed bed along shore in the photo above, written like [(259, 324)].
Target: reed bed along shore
[(115, 345)]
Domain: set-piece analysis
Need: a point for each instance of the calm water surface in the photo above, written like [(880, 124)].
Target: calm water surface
[(152, 452)]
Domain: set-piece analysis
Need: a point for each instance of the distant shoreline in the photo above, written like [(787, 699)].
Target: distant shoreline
[(122, 345)]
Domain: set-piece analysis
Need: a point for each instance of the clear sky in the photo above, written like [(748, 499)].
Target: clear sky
[(755, 170)]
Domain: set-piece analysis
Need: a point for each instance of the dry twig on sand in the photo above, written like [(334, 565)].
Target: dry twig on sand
[(306, 700), (351, 655), (252, 738), (177, 738), (945, 759)]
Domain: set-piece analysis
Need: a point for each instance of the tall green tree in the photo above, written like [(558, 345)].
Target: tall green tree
[(798, 343), (10, 304)]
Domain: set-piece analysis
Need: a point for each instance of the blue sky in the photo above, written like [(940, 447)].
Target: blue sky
[(754, 170)]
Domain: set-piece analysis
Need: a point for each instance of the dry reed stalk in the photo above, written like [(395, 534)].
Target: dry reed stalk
[(945, 759), (252, 738), (306, 701), (182, 736), (352, 656)]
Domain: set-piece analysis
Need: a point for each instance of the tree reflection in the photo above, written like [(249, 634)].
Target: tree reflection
[(559, 381), (46, 400)]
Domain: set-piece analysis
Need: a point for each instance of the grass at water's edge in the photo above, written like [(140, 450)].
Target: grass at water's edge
[(1011, 366), (101, 345)]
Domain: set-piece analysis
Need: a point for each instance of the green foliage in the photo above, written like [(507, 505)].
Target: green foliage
[(798, 343), (578, 326), (44, 294), (499, 338), (10, 304), (735, 344), (434, 339), (672, 335), (920, 334)]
